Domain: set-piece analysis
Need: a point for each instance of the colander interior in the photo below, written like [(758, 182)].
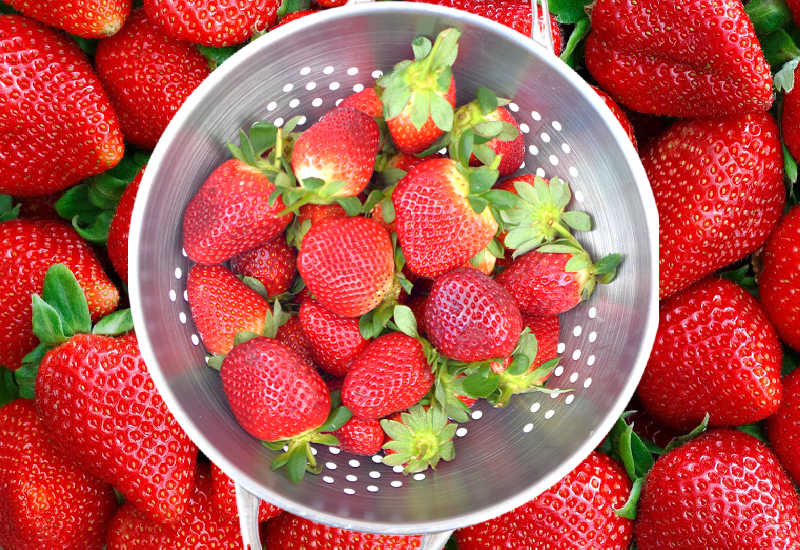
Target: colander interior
[(503, 456)]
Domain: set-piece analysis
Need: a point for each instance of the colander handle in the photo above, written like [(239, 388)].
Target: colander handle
[(247, 506), (542, 33), (435, 541)]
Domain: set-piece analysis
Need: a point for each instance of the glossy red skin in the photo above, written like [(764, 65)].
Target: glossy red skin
[(341, 146), (366, 101), (120, 226), (794, 7), (547, 331), (87, 18), (619, 114), (437, 228), (273, 392), (289, 531), (333, 340), (715, 352), (223, 499), (148, 75), (390, 375), (723, 490), (27, 249), (216, 23), (577, 512), (100, 408), (779, 281), (54, 113), (417, 304), (719, 190), (361, 437), (316, 212), (540, 285), (790, 114), (513, 152), (45, 500), (347, 264), (784, 426), (294, 16), (200, 527), (405, 135), (331, 3), (690, 59), (291, 334), (272, 263), (231, 213), (222, 306), (469, 317)]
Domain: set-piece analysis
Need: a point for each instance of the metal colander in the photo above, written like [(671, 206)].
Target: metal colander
[(504, 457)]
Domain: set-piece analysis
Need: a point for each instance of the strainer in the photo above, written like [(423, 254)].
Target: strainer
[(504, 457)]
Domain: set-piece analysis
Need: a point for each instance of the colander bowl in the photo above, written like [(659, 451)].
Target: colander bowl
[(504, 457)]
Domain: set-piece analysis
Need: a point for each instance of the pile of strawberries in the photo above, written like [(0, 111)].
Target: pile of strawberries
[(357, 287)]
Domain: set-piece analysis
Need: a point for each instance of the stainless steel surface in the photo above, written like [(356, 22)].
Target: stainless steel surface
[(503, 457), (247, 505)]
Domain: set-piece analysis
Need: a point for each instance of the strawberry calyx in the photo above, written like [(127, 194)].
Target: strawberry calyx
[(448, 392), (475, 124), (420, 439), (477, 186), (587, 274), (8, 210)]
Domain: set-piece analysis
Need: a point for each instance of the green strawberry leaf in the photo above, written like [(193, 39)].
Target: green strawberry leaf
[(779, 47), (25, 376), (768, 15), (569, 11), (97, 231), (215, 361), (9, 390), (296, 464), (634, 454), (404, 319), (387, 210), (756, 429), (441, 112), (256, 285), (8, 210), (572, 53), (577, 220), (395, 99), (742, 276), (480, 384), (790, 169), (352, 206), (115, 323), (63, 293), (680, 440), (47, 323), (327, 439), (74, 204), (421, 46), (487, 100), (244, 336), (217, 56), (373, 199), (488, 129), (6, 9), (629, 509), (484, 154), (336, 419), (88, 45)]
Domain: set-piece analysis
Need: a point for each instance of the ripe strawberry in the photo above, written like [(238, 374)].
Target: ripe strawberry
[(506, 140), (347, 264), (779, 282), (688, 59), (120, 227), (417, 303), (784, 426), (331, 3), (148, 75), (716, 353), (724, 489), (231, 213), (101, 409), (292, 335), (294, 16), (619, 114), (273, 264), (53, 108), (212, 22), (334, 340), (437, 227), (577, 512), (790, 114), (366, 101), (547, 331), (719, 190), (469, 317), (27, 249), (390, 375), (88, 18), (223, 499), (289, 531), (646, 426), (359, 436), (45, 500), (317, 212)]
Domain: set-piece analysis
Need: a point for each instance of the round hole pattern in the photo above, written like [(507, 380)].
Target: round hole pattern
[(358, 88), (293, 104), (524, 128), (349, 491), (354, 463), (182, 317), (288, 87), (305, 70), (316, 102), (461, 431), (311, 85), (535, 407), (271, 106), (334, 450), (172, 295), (419, 477), (527, 427), (351, 477)]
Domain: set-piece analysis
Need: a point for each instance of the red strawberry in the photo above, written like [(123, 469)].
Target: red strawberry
[(331, 3), (212, 22), (291, 334), (547, 331), (54, 111), (359, 436), (437, 227), (648, 427), (101, 409), (619, 114), (366, 101), (120, 227), (148, 75), (347, 264), (390, 375), (273, 264), (87, 18), (27, 249), (334, 340), (719, 190), (223, 499), (577, 512), (294, 16), (784, 426), (417, 304), (469, 317), (222, 306), (506, 140), (687, 59), (716, 353), (288, 531), (316, 212), (790, 115), (231, 213), (779, 282), (45, 500), (794, 7), (724, 489)]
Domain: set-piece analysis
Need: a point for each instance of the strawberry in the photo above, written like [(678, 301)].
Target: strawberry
[(88, 18), (56, 115), (101, 409), (790, 114), (331, 3), (784, 426), (418, 97), (223, 499), (359, 436), (292, 335), (469, 317), (577, 512), (273, 264), (120, 226), (646, 426), (45, 500), (334, 341), (289, 531), (215, 23), (294, 16), (347, 264), (547, 331), (487, 120), (390, 375), (619, 114), (417, 304), (715, 352), (231, 213), (688, 59), (201, 526), (148, 75), (222, 306), (719, 190), (366, 101), (27, 249), (724, 489), (38, 207), (779, 282)]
